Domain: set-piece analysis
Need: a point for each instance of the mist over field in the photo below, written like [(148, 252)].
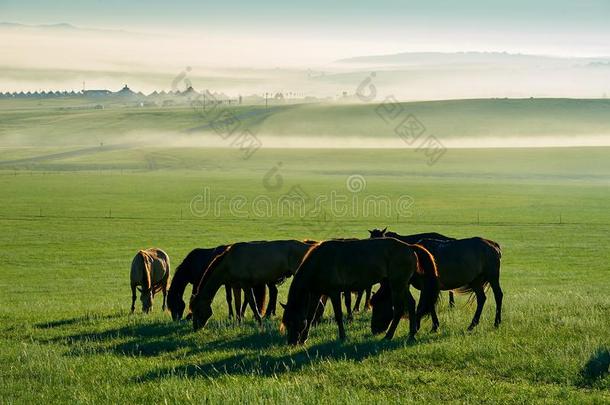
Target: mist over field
[(35, 59)]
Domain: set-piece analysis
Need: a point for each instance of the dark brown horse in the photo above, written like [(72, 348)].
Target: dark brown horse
[(191, 270), (464, 265), (246, 264), (380, 233), (334, 266)]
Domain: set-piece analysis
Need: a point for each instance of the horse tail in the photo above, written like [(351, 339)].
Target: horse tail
[(495, 246), (260, 297), (426, 266), (145, 266)]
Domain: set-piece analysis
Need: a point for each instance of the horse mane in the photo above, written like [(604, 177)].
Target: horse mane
[(312, 246), (210, 269), (295, 290), (426, 264)]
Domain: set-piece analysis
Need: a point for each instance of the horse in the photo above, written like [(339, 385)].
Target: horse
[(412, 239), (246, 264), (464, 265), (334, 266), (150, 270), (191, 270)]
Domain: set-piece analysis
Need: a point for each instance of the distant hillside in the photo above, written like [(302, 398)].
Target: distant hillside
[(447, 120), (467, 58), (456, 118)]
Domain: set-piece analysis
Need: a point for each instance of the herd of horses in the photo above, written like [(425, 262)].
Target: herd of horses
[(322, 271)]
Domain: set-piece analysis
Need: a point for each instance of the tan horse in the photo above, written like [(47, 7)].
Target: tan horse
[(245, 265), (150, 270)]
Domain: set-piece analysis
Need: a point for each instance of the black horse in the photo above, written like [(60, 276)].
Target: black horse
[(466, 265), (191, 270), (380, 233), (335, 266)]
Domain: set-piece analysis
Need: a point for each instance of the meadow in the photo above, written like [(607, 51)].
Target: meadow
[(70, 226)]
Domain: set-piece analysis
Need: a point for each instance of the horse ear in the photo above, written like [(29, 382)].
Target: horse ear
[(371, 232), (384, 229), (283, 305)]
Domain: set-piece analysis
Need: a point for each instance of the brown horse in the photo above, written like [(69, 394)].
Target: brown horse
[(246, 264), (464, 265), (191, 270), (150, 270), (334, 266), (411, 239)]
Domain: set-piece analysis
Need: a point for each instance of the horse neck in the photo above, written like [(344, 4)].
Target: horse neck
[(296, 255), (180, 280), (215, 280)]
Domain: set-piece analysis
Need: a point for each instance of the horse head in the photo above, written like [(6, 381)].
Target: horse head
[(378, 233), (383, 311)]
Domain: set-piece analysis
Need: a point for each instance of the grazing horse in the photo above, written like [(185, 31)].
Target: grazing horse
[(334, 266), (466, 265), (191, 270), (411, 239), (150, 270), (246, 264)]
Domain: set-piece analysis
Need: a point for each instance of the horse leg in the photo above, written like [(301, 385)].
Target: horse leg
[(319, 311), (244, 304), (400, 300), (133, 298), (229, 298), (348, 305), (451, 299), (335, 299), (495, 286), (237, 302), (250, 300), (272, 300), (435, 322), (358, 300), (480, 293), (367, 299), (412, 316)]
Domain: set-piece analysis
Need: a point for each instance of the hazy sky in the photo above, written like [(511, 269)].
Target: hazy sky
[(559, 27), (236, 46)]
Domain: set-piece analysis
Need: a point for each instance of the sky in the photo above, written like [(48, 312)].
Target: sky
[(238, 46), (559, 27)]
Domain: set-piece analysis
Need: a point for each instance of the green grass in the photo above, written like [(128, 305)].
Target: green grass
[(69, 228)]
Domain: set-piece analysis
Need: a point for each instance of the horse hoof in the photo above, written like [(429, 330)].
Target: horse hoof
[(411, 340)]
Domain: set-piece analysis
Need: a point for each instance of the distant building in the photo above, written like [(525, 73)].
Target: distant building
[(96, 93), (125, 92)]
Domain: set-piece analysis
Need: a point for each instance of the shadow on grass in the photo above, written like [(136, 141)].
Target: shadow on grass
[(144, 339), (596, 368), (73, 321), (267, 365)]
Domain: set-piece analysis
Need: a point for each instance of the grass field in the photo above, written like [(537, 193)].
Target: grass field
[(70, 226)]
